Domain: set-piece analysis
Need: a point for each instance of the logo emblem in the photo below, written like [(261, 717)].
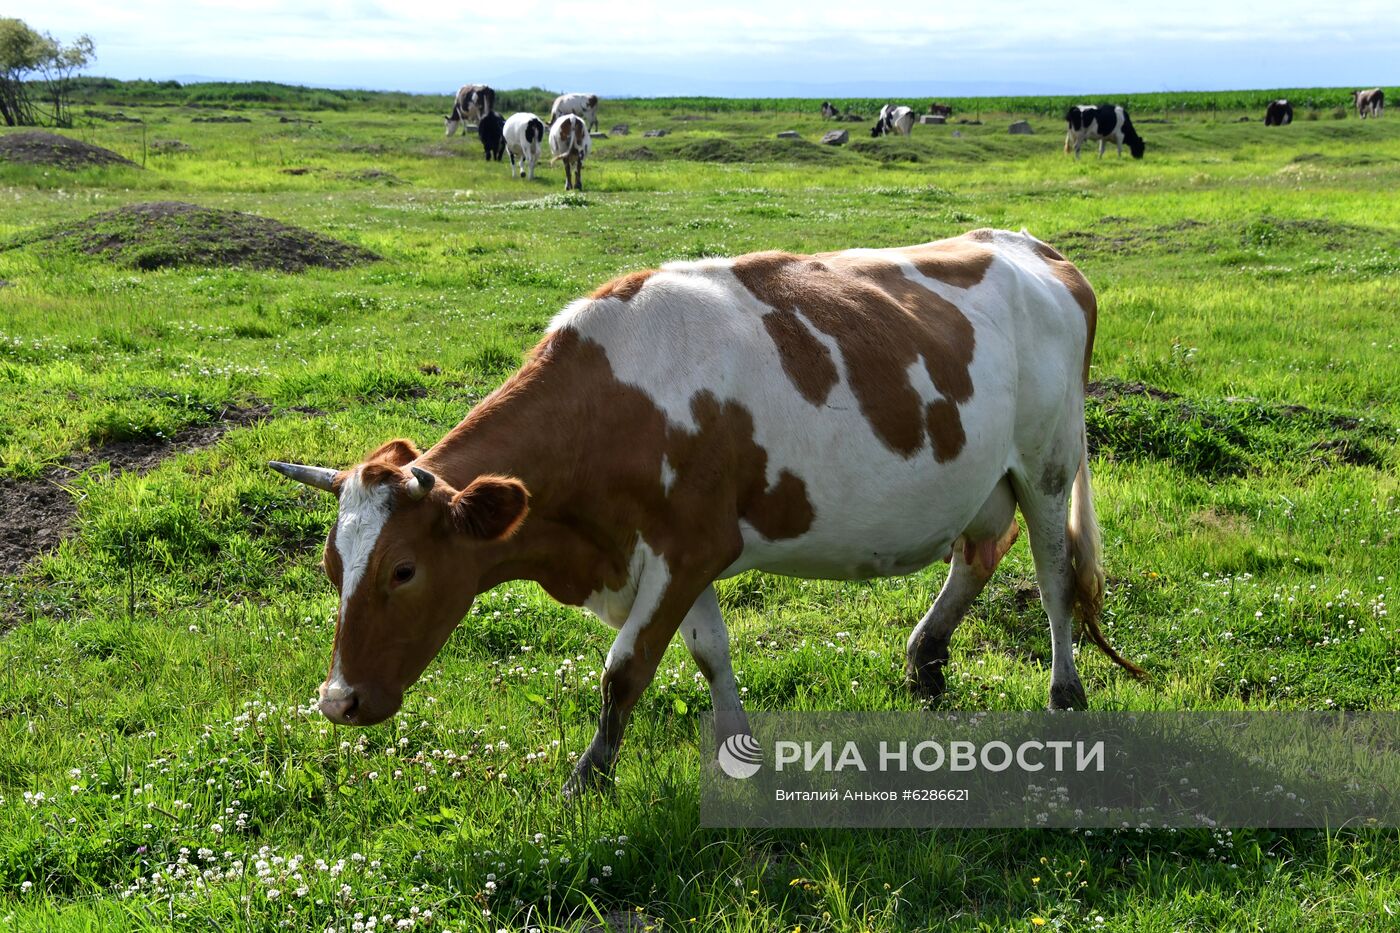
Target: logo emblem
[(740, 756)]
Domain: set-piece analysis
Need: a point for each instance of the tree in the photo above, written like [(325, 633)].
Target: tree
[(20, 51), (25, 53), (58, 65)]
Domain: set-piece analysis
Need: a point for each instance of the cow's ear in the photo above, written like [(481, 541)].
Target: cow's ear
[(491, 508), (399, 452)]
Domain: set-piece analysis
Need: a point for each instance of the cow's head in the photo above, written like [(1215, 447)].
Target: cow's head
[(452, 120), (407, 553), (1137, 147)]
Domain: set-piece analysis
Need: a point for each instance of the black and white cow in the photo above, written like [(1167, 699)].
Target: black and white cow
[(1369, 103), (491, 132), (1279, 113), (523, 133), (473, 101), (830, 111), (1102, 122), (893, 120)]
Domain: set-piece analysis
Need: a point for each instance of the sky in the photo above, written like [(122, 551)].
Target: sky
[(817, 48)]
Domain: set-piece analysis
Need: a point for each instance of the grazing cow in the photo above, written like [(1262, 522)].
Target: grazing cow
[(473, 102), (940, 110), (1369, 103), (1103, 123), (491, 132), (892, 119), (848, 415), (1279, 113), (829, 111), (569, 141), (583, 105), (523, 133)]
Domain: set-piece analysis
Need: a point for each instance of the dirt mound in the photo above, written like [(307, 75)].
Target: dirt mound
[(163, 234), (719, 149), (38, 148), (635, 154)]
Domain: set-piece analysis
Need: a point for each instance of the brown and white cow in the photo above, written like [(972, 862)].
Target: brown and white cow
[(570, 143), (845, 416), (1369, 103), (580, 105), (473, 101)]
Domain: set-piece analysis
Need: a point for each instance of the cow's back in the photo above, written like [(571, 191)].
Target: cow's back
[(878, 378)]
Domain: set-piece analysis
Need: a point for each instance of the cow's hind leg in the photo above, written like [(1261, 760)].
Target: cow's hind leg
[(708, 640), (975, 556), (1043, 492)]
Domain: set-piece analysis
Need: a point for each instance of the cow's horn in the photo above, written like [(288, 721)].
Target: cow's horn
[(319, 477), (421, 484)]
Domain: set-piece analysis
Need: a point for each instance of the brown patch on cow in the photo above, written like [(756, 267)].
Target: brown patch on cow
[(946, 430), (624, 287), (1070, 276), (782, 511), (958, 262), (883, 323), (589, 503), (806, 360)]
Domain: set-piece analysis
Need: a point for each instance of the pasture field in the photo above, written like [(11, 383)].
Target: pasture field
[(161, 762)]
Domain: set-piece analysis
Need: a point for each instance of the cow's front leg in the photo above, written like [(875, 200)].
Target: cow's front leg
[(708, 640), (628, 670)]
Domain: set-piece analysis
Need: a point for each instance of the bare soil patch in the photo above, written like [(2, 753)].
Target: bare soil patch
[(37, 514), (34, 147), (165, 234)]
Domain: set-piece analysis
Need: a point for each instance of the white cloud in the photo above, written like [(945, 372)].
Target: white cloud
[(343, 41)]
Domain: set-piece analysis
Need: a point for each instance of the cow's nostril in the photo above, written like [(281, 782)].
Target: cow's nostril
[(340, 705)]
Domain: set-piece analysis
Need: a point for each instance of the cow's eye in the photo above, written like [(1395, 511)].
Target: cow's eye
[(403, 573)]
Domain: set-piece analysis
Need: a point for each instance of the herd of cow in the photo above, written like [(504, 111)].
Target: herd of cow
[(571, 118), (1103, 122)]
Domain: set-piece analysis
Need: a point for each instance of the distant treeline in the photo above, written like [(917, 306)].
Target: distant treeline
[(1049, 106), (241, 94)]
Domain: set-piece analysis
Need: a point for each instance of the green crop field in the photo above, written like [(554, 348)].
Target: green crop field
[(162, 765)]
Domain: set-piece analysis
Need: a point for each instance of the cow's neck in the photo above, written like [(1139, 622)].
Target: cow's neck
[(538, 428)]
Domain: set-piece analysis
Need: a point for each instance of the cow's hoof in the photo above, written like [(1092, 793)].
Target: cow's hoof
[(1068, 695), (587, 779), (923, 672), (927, 682)]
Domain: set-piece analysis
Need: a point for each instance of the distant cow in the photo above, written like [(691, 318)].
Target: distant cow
[(1369, 103), (473, 102), (583, 105), (892, 120), (570, 142), (830, 112), (1103, 123), (940, 110), (523, 132), (1279, 113), (491, 131)]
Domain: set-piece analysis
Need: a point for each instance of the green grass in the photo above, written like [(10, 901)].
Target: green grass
[(157, 678)]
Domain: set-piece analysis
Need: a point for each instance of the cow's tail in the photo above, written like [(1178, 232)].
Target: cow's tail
[(1086, 561)]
